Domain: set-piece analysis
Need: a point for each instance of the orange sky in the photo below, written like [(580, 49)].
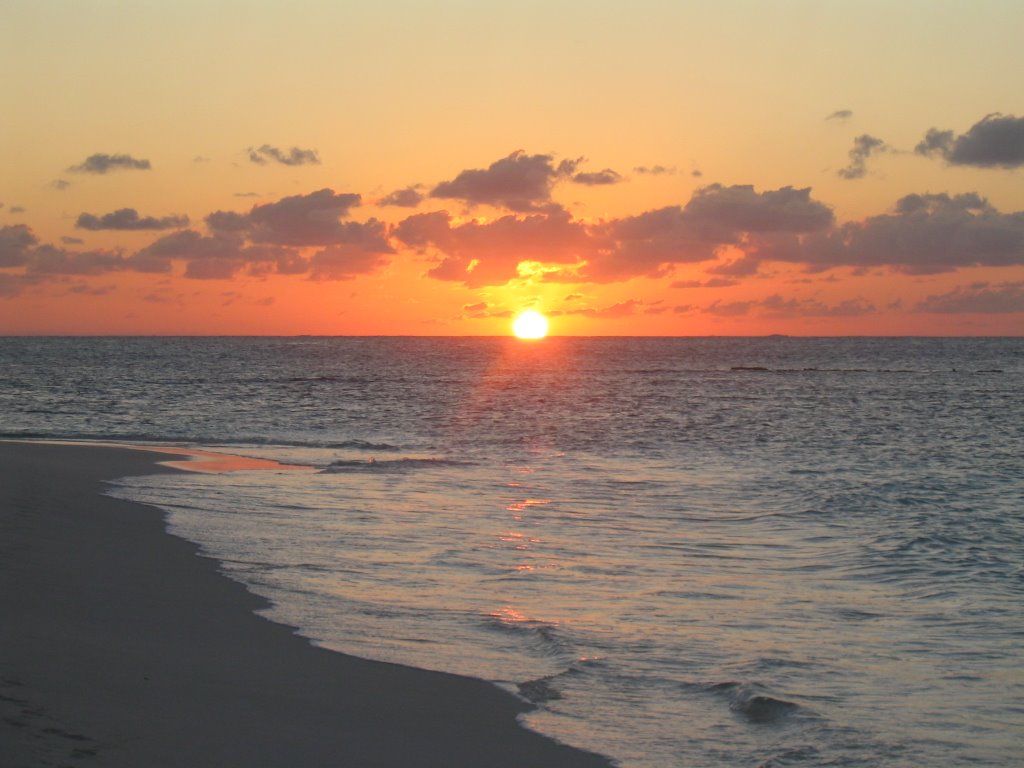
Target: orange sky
[(727, 168)]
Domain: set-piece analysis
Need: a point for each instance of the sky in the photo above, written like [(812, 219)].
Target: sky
[(644, 168)]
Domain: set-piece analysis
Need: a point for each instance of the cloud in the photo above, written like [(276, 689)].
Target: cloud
[(85, 289), (612, 312), (12, 285), (294, 156), (16, 209), (714, 282), (715, 216), (409, 197), (60, 184), (492, 252), (977, 298), (48, 260), (926, 233), (128, 219), (599, 178), (222, 251), (16, 242), (840, 114), (519, 182), (863, 147), (71, 240), (300, 220), (267, 238), (102, 163), (729, 309), (346, 261), (215, 257), (726, 211), (744, 266), (488, 253), (776, 306), (995, 141), (654, 170)]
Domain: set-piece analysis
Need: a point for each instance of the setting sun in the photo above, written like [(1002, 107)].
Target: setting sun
[(530, 325)]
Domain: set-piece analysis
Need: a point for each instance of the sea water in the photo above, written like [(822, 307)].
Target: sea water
[(684, 552)]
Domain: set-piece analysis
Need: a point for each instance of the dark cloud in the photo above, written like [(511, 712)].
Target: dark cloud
[(863, 147), (101, 163), (265, 241), (48, 260), (60, 184), (409, 197), (696, 173), (16, 242), (300, 220), (346, 261), (71, 240), (925, 234), (653, 170), (294, 156), (216, 257), (840, 114), (977, 298), (648, 243), (16, 209), (996, 141), (598, 178), (306, 220), (227, 221), (519, 182), (190, 246), (128, 218), (727, 211)]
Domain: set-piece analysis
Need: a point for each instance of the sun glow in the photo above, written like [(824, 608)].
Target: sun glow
[(530, 325)]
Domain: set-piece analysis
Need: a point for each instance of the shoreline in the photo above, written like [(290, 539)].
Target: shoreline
[(122, 646)]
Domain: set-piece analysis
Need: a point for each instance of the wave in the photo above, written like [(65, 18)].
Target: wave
[(540, 691), (750, 701), (389, 465)]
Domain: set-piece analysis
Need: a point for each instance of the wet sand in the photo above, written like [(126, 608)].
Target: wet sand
[(120, 646)]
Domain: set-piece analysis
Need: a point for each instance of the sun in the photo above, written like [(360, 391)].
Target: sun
[(530, 325)]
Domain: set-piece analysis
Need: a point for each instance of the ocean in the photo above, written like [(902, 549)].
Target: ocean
[(684, 551)]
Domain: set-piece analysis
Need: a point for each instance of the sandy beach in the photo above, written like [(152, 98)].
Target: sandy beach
[(120, 646)]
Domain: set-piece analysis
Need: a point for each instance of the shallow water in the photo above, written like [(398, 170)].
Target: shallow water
[(686, 551)]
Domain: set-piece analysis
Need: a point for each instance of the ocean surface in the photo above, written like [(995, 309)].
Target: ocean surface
[(685, 552)]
